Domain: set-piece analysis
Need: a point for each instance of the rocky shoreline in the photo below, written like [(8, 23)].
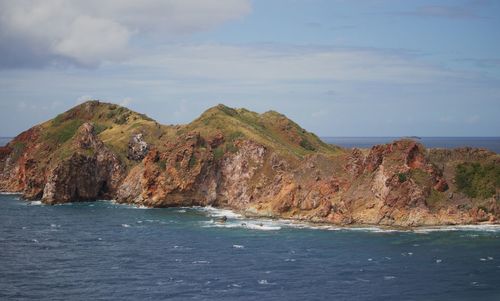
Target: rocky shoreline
[(262, 165)]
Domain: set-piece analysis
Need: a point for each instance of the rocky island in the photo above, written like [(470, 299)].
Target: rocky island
[(256, 164)]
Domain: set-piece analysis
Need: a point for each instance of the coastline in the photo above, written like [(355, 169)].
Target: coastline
[(237, 219)]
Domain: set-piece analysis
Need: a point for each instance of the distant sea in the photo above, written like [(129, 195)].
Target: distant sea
[(4, 140), (491, 143), (105, 251)]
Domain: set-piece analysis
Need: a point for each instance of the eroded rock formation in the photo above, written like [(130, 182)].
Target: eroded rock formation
[(259, 165)]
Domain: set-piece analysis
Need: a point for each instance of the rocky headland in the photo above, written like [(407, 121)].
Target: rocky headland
[(256, 164)]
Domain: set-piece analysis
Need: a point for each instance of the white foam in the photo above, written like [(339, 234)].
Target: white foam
[(216, 212), (201, 262), (9, 193), (264, 282), (262, 227), (36, 203), (238, 247), (125, 225), (247, 224), (479, 228)]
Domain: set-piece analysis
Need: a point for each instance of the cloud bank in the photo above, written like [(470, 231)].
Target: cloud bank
[(36, 33)]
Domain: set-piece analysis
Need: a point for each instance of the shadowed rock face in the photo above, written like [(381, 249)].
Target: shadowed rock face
[(260, 165), (91, 172)]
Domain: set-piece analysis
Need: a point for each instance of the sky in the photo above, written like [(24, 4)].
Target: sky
[(336, 67)]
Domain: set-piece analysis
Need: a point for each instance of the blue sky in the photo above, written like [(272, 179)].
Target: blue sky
[(337, 67)]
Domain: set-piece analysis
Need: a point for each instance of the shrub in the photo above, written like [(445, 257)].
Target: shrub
[(307, 145), (99, 128), (64, 132), (235, 135), (17, 150), (478, 180), (192, 161), (230, 147), (402, 177), (162, 164), (122, 119), (218, 153)]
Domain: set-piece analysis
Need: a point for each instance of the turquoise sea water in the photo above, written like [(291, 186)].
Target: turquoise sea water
[(104, 251)]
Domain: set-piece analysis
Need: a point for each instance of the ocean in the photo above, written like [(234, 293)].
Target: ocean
[(106, 251)]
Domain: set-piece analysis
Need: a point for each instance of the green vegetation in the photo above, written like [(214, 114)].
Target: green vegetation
[(307, 145), (63, 131), (478, 180), (17, 149), (271, 129), (218, 153), (115, 125), (436, 198), (235, 136), (420, 177), (99, 128), (58, 120), (230, 147), (192, 161), (162, 164), (402, 177)]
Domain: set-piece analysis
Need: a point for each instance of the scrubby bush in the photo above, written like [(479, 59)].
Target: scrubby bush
[(307, 145), (402, 177), (478, 180)]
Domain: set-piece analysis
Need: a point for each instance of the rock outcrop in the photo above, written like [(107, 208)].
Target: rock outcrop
[(91, 172), (257, 164)]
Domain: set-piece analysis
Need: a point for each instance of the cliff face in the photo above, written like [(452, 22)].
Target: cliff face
[(258, 164)]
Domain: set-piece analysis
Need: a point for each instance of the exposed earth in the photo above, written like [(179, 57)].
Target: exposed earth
[(256, 164)]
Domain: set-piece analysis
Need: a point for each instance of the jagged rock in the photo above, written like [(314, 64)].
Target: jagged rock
[(91, 172), (137, 147), (260, 164)]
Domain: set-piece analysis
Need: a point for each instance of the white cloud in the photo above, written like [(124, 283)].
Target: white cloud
[(90, 40), (37, 32), (266, 64)]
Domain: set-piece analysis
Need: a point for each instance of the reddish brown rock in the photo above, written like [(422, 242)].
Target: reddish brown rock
[(396, 184)]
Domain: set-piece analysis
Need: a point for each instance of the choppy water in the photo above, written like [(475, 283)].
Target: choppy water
[(491, 143), (115, 252)]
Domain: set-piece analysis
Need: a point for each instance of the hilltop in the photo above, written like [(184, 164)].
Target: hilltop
[(258, 164)]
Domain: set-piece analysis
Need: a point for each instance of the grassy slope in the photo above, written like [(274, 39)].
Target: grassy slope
[(113, 124), (271, 129)]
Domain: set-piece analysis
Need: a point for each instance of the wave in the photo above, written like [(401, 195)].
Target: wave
[(244, 225), (478, 228), (235, 220), (217, 212), (9, 193)]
